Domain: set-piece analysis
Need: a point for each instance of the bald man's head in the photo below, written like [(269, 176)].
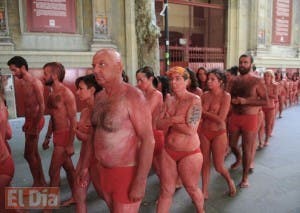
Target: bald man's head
[(108, 66)]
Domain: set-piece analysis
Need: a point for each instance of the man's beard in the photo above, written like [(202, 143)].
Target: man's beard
[(244, 71), (49, 82)]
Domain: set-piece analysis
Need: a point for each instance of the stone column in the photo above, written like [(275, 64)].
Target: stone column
[(101, 25), (147, 34), (5, 40), (261, 24)]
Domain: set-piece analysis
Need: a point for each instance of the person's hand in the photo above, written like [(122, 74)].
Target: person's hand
[(70, 150), (137, 190), (82, 177), (238, 100), (177, 119)]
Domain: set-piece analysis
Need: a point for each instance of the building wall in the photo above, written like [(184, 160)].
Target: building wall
[(74, 51), (250, 28)]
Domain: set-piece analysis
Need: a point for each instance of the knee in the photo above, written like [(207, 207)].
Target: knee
[(219, 168), (191, 189), (166, 191)]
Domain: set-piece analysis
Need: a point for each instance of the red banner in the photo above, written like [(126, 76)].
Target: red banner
[(282, 16), (56, 16)]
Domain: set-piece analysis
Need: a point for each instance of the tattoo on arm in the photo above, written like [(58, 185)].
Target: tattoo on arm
[(194, 115)]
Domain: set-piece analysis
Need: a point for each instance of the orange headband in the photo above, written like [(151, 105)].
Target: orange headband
[(179, 70)]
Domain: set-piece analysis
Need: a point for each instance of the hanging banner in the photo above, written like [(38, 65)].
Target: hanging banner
[(57, 16), (282, 16)]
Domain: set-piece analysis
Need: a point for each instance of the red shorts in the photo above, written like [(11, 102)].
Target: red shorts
[(31, 127), (7, 167), (179, 155), (61, 138), (117, 181), (159, 137), (244, 122), (212, 134), (267, 109)]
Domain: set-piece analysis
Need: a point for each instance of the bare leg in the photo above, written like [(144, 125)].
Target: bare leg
[(58, 158), (261, 128), (70, 171), (189, 169), (248, 140), (168, 181), (206, 151), (219, 146), (269, 114), (233, 142), (31, 154), (80, 194)]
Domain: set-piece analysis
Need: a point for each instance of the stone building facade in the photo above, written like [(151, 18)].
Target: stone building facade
[(268, 29)]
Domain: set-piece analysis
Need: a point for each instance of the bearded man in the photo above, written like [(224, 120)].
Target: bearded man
[(248, 95), (34, 116)]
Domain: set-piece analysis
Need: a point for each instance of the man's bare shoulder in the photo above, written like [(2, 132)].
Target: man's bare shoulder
[(133, 92), (67, 92)]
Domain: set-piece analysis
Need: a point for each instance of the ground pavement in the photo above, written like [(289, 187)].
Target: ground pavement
[(274, 185)]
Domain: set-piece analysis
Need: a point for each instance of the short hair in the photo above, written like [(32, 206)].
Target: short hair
[(247, 56), (89, 81), (58, 69), (18, 61), (179, 70), (233, 70), (269, 72)]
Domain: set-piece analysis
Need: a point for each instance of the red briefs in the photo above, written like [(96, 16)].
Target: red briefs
[(61, 138), (159, 137), (267, 109), (179, 155), (116, 182), (33, 128), (212, 134), (244, 122), (7, 167)]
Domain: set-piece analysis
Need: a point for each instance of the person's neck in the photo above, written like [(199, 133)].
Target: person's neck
[(90, 102), (26, 76), (216, 91), (113, 87), (181, 95), (56, 86), (149, 90)]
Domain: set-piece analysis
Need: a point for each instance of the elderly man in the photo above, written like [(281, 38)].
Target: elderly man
[(122, 137)]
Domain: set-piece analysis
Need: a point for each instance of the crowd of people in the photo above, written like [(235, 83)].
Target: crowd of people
[(175, 124)]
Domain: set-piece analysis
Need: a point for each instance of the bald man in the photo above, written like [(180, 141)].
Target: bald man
[(122, 136)]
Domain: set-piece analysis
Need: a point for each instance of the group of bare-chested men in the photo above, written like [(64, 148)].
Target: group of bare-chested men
[(125, 130)]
